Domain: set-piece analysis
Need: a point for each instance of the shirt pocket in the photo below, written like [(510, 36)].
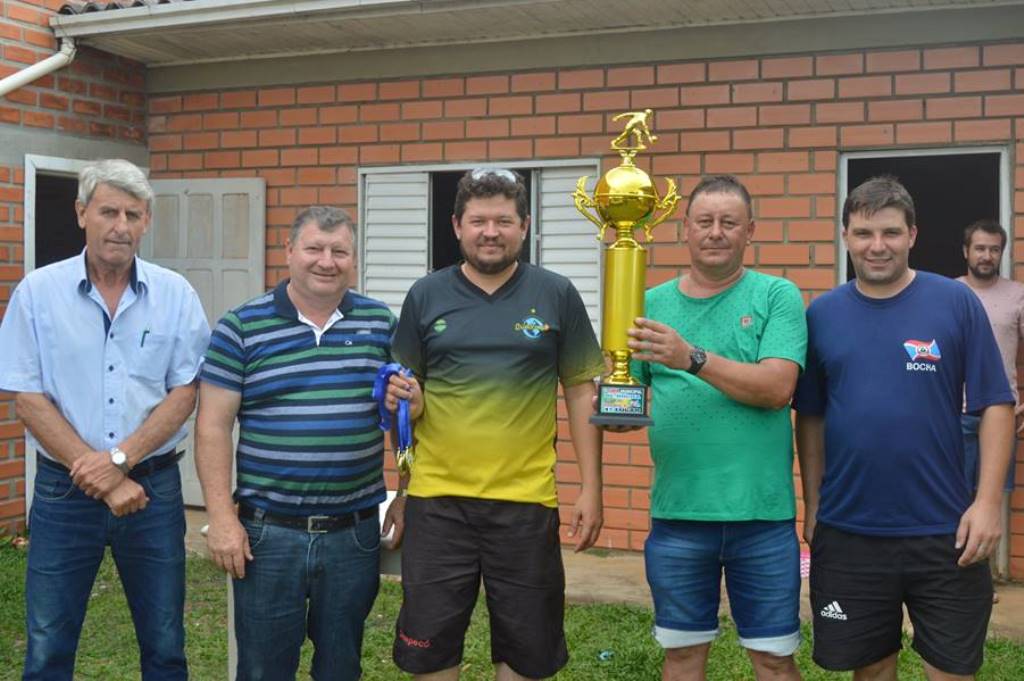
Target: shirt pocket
[(149, 360)]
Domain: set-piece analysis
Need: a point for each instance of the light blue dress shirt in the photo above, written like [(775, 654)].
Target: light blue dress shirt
[(105, 375)]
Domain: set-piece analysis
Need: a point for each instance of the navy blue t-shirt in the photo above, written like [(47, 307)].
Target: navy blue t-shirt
[(890, 375)]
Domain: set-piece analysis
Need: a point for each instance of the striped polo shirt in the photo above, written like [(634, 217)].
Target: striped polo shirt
[(309, 442)]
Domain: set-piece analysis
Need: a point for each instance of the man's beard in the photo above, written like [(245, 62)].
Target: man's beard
[(493, 266), (977, 273)]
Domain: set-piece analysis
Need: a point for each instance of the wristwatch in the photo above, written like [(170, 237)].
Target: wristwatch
[(698, 357), (119, 459)]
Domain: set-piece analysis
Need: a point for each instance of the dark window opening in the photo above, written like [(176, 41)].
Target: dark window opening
[(444, 247), (58, 235), (950, 191)]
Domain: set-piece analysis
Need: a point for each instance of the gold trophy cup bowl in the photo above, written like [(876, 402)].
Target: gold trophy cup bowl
[(624, 199)]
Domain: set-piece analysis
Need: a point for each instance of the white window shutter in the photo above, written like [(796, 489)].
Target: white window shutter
[(568, 241), (395, 229)]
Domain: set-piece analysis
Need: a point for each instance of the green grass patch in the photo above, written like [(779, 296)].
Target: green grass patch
[(622, 633)]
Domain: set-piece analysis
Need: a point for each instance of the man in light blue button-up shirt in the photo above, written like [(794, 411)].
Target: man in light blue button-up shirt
[(102, 351)]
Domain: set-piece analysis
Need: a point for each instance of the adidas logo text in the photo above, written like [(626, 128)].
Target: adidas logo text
[(833, 611)]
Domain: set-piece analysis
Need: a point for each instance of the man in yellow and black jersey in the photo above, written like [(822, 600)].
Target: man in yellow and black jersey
[(489, 340)]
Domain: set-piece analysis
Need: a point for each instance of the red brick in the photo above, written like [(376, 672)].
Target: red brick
[(980, 81), (277, 137), (782, 254), (812, 279), (839, 64), (357, 92), (676, 164), (758, 138), (444, 87), (304, 116), (575, 80), (318, 135), (922, 83), (220, 121), (315, 176), (428, 151), (580, 123), (887, 62), (487, 127), (630, 476), (258, 119), (533, 82), (974, 131), (333, 115), (732, 117), (787, 67), (13, 508), (788, 207), (692, 72), (746, 69), (22, 96), (924, 133), (401, 89), (811, 230), (1002, 55), (465, 108), (98, 91), (465, 151), (379, 112), (896, 110), (655, 98), (84, 107), (803, 90), (677, 119), (221, 159), (784, 114), (509, 149), (438, 130), (298, 157), (1004, 105), (866, 86), (557, 147), (422, 110), (487, 85), (558, 103), (866, 135), (953, 107), (812, 183), (200, 140), (631, 76), (380, 153), (184, 161), (760, 184), (37, 119), (339, 155), (238, 138), (783, 161), (702, 95), (351, 134), (203, 101), (284, 96), (399, 132), (520, 105), (319, 94), (531, 126), (14, 468), (951, 58), (756, 92), (839, 112), (705, 141), (609, 100), (728, 163)]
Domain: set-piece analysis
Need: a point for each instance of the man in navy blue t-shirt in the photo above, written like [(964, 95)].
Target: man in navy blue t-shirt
[(889, 513)]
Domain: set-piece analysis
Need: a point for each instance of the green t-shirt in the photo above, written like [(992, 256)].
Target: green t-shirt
[(714, 458)]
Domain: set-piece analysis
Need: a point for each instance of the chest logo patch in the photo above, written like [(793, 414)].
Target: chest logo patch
[(924, 355), (532, 326), (440, 325), (745, 321)]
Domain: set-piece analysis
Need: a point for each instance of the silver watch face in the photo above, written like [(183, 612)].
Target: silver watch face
[(118, 457)]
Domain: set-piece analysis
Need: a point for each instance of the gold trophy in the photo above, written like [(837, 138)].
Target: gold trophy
[(624, 199)]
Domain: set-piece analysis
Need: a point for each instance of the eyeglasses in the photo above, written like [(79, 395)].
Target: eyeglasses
[(481, 173)]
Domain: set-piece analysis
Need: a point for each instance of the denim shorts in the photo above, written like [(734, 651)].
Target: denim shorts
[(761, 560)]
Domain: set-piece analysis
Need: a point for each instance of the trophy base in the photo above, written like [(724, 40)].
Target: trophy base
[(621, 405)]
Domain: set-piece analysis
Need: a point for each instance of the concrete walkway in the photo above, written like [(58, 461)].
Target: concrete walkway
[(600, 576)]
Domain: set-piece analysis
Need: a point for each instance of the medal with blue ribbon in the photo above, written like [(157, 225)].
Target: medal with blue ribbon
[(403, 450)]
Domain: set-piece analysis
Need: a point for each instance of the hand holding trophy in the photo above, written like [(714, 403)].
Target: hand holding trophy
[(624, 199)]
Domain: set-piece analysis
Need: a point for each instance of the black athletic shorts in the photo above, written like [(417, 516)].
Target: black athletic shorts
[(449, 544), (859, 584)]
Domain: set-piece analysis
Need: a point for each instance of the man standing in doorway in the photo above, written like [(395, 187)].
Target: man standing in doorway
[(721, 348), (296, 368), (1003, 300), (102, 351), (491, 339), (890, 517)]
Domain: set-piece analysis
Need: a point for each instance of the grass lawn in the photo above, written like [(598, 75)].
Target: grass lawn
[(107, 650)]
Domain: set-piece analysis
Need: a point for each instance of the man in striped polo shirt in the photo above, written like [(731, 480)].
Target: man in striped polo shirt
[(296, 368)]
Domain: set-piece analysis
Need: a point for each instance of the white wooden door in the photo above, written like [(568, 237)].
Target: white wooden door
[(212, 232)]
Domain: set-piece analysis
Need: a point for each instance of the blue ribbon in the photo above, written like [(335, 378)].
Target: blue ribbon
[(403, 452)]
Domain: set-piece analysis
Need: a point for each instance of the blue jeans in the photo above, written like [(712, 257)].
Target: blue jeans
[(69, 533), (969, 427), (761, 560), (301, 583)]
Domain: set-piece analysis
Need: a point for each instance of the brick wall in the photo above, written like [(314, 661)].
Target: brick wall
[(779, 123), (98, 96)]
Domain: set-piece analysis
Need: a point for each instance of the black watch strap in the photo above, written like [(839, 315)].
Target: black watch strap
[(698, 357)]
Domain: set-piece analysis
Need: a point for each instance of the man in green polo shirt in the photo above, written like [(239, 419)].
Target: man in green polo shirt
[(491, 339), (721, 348)]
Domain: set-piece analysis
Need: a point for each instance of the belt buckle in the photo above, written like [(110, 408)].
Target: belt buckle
[(311, 520)]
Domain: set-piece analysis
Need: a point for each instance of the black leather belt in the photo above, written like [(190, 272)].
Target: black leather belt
[(314, 524), (139, 470)]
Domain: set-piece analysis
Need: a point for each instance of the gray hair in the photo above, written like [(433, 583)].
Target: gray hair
[(327, 218), (116, 173)]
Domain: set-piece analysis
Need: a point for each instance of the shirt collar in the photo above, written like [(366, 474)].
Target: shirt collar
[(137, 276), (284, 307)]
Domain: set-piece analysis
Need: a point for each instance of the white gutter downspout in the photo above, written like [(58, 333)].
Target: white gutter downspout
[(41, 68)]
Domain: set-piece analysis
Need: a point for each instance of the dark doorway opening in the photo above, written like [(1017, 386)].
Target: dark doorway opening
[(58, 235), (950, 191), (444, 247)]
